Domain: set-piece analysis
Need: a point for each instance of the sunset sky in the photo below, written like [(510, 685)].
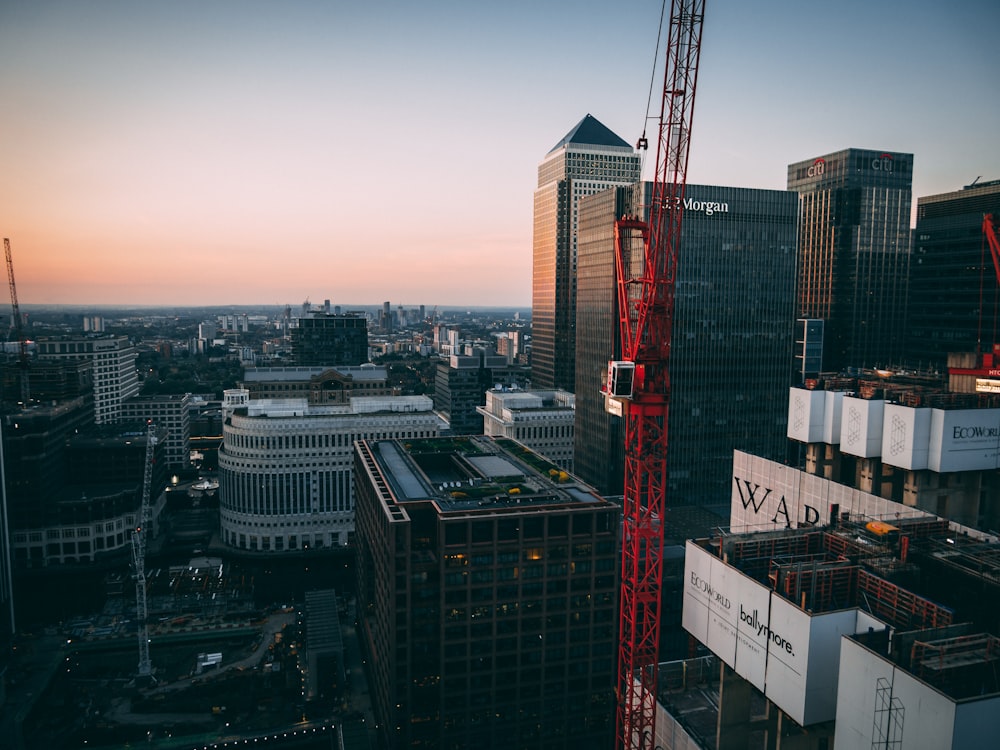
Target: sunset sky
[(214, 152)]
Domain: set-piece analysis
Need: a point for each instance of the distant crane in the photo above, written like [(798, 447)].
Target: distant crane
[(646, 263), (145, 671), (22, 342)]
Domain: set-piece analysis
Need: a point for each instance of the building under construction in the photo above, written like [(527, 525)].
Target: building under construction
[(852, 621)]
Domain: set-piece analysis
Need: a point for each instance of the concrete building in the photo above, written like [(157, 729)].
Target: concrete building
[(172, 412), (953, 292), (75, 490), (319, 385), (588, 160), (854, 253), (460, 386), (540, 420), (731, 350), (487, 597), (286, 468), (324, 340), (836, 619), (114, 374)]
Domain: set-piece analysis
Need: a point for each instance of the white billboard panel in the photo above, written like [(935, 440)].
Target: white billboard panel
[(788, 650), (751, 606), (768, 495), (832, 414), (861, 426), (721, 628), (709, 590), (805, 415), (964, 439), (906, 436)]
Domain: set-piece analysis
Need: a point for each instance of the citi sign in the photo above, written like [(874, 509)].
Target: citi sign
[(817, 169), (882, 163)]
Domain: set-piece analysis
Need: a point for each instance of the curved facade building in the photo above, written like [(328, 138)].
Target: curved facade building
[(286, 468)]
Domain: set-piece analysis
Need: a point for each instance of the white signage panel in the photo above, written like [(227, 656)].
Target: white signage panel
[(805, 415), (964, 439), (751, 607), (861, 427), (906, 434), (832, 415), (787, 656)]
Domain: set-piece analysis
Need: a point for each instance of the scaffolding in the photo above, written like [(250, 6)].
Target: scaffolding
[(963, 665)]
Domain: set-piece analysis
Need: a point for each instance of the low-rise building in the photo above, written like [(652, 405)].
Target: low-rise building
[(541, 420), (286, 467)]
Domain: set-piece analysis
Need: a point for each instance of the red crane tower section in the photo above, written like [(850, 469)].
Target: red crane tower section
[(646, 256), (989, 365)]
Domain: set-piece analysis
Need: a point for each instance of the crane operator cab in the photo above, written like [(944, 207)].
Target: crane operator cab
[(619, 385)]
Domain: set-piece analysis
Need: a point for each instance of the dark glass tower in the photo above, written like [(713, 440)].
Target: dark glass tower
[(854, 253), (323, 340), (954, 295), (588, 160), (732, 338)]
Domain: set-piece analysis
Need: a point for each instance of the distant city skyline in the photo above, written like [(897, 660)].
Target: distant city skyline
[(229, 153)]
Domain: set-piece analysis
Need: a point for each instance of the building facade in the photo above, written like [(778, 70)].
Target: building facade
[(854, 253), (173, 413), (954, 293), (325, 340), (75, 491), (588, 160), (286, 467), (460, 386), (731, 351), (114, 374), (488, 597), (319, 385), (540, 420)]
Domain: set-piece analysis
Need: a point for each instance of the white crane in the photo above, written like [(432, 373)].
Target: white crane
[(139, 558)]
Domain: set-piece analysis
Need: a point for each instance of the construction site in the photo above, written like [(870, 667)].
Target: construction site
[(911, 606), (220, 669)]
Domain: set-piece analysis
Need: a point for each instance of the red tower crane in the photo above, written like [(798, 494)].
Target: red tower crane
[(990, 231), (646, 256), (22, 342)]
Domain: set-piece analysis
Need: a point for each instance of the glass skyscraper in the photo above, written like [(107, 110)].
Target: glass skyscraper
[(731, 354), (588, 160), (854, 253), (954, 295)]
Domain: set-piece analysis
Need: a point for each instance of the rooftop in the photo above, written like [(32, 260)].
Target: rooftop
[(472, 473)]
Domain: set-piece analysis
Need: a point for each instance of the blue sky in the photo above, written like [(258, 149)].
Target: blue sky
[(264, 152)]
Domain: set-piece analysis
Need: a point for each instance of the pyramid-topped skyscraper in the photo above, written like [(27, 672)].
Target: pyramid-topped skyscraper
[(588, 160)]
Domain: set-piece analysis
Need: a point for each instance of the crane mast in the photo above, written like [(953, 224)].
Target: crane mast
[(646, 257), (22, 343), (139, 557), (990, 232)]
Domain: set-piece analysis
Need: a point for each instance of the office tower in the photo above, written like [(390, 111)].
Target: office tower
[(854, 253), (114, 374), (487, 597), (172, 412), (460, 386), (285, 466), (731, 353), (330, 340), (588, 160), (74, 489), (954, 292), (540, 420)]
